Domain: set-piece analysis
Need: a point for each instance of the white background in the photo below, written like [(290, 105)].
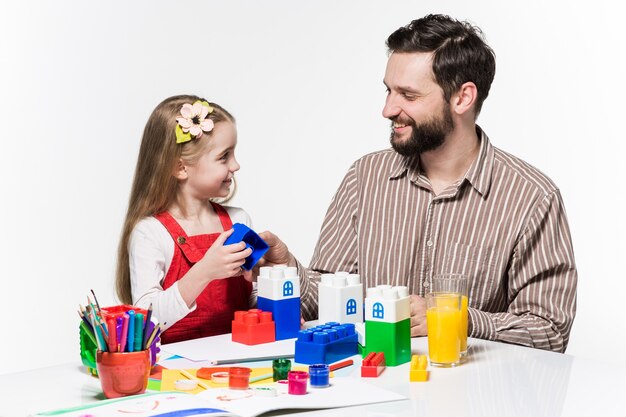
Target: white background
[(304, 79)]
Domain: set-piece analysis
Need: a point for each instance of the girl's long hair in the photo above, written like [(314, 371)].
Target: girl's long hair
[(154, 185)]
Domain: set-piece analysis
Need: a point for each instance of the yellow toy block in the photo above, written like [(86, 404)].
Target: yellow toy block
[(418, 372)]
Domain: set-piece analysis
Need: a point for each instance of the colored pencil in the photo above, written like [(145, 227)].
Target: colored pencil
[(261, 377), (191, 377), (144, 339), (339, 365), (155, 332), (97, 303)]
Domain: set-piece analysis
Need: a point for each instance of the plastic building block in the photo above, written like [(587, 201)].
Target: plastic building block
[(394, 339), (387, 304), (326, 344), (360, 331), (387, 323), (286, 315), (278, 283), (278, 291), (373, 365), (340, 298), (243, 233), (418, 372), (253, 327)]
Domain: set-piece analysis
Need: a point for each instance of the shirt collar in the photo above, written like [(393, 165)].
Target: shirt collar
[(478, 175)]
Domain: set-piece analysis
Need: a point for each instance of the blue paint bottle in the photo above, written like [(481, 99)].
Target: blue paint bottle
[(319, 375)]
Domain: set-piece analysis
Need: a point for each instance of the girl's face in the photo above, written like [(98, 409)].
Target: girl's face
[(212, 175)]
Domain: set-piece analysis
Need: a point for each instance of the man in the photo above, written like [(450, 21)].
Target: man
[(444, 200)]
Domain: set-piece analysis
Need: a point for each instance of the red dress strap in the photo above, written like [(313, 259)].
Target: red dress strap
[(227, 223), (180, 237)]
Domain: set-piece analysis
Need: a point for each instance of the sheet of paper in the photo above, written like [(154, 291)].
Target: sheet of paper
[(343, 392), (146, 405), (170, 376), (216, 349)]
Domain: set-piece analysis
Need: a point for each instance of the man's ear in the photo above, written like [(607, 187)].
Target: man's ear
[(180, 172), (465, 98)]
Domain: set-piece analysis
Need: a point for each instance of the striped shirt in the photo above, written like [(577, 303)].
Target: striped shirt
[(503, 225)]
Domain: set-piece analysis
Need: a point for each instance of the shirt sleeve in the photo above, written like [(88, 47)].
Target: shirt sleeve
[(336, 249), (147, 262), (541, 282)]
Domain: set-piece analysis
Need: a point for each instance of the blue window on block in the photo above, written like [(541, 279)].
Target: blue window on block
[(287, 289), (378, 311), (351, 307)]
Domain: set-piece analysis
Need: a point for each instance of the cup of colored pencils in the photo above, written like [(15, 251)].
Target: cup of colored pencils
[(125, 341)]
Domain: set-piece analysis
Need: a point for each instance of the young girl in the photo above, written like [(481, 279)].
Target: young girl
[(172, 253)]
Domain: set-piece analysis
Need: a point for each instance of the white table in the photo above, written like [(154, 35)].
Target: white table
[(498, 380)]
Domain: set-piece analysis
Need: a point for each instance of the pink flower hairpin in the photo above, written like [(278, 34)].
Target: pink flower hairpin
[(193, 121)]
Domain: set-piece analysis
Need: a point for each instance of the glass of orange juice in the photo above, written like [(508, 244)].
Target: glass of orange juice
[(455, 284), (443, 318)]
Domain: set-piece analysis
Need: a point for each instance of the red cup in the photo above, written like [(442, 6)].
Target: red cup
[(123, 373)]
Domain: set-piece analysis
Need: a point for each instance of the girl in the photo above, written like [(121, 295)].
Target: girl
[(172, 252)]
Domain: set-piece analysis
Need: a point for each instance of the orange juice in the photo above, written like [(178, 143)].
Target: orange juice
[(443, 318)]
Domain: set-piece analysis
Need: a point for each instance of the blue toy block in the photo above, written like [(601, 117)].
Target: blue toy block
[(327, 343), (244, 234), (286, 315)]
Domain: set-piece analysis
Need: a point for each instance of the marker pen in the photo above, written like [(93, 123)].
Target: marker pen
[(123, 341), (138, 332), (130, 337)]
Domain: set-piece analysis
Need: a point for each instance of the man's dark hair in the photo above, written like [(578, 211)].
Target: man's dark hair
[(460, 53)]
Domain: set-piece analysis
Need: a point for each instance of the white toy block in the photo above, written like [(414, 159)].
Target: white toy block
[(278, 283), (360, 331), (387, 304), (340, 298)]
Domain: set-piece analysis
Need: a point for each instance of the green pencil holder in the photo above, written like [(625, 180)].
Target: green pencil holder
[(88, 352)]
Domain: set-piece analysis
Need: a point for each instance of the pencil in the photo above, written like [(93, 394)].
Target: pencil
[(339, 365), (97, 303), (191, 377), (261, 377), (153, 335), (144, 339)]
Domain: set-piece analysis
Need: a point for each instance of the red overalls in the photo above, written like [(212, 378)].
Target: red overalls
[(216, 305)]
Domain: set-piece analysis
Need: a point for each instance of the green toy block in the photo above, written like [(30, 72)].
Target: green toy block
[(394, 339)]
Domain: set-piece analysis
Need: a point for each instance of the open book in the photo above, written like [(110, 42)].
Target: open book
[(343, 392)]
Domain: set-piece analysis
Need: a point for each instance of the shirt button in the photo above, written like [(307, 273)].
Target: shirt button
[(429, 243), (181, 240)]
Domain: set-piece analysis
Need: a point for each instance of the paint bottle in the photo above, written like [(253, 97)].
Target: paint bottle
[(238, 378), (319, 374), (297, 382), (280, 368)]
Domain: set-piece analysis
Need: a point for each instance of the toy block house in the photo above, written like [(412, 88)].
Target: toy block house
[(279, 293), (388, 323), (340, 298)]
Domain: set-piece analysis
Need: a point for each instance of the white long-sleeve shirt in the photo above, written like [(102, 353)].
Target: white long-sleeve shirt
[(151, 249)]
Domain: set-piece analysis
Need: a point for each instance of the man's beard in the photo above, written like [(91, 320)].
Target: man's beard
[(428, 136)]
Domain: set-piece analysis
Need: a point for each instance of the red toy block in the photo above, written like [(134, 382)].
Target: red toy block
[(253, 327), (373, 365)]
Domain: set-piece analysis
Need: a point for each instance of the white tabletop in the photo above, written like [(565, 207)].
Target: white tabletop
[(498, 380)]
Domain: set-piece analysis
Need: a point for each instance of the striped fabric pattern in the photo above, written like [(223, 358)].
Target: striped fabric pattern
[(503, 225)]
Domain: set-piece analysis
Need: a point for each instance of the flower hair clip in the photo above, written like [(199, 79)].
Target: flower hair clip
[(193, 121)]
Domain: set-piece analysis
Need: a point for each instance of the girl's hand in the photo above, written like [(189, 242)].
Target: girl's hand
[(224, 261)]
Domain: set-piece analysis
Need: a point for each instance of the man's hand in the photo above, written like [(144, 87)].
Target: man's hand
[(278, 253), (418, 316)]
